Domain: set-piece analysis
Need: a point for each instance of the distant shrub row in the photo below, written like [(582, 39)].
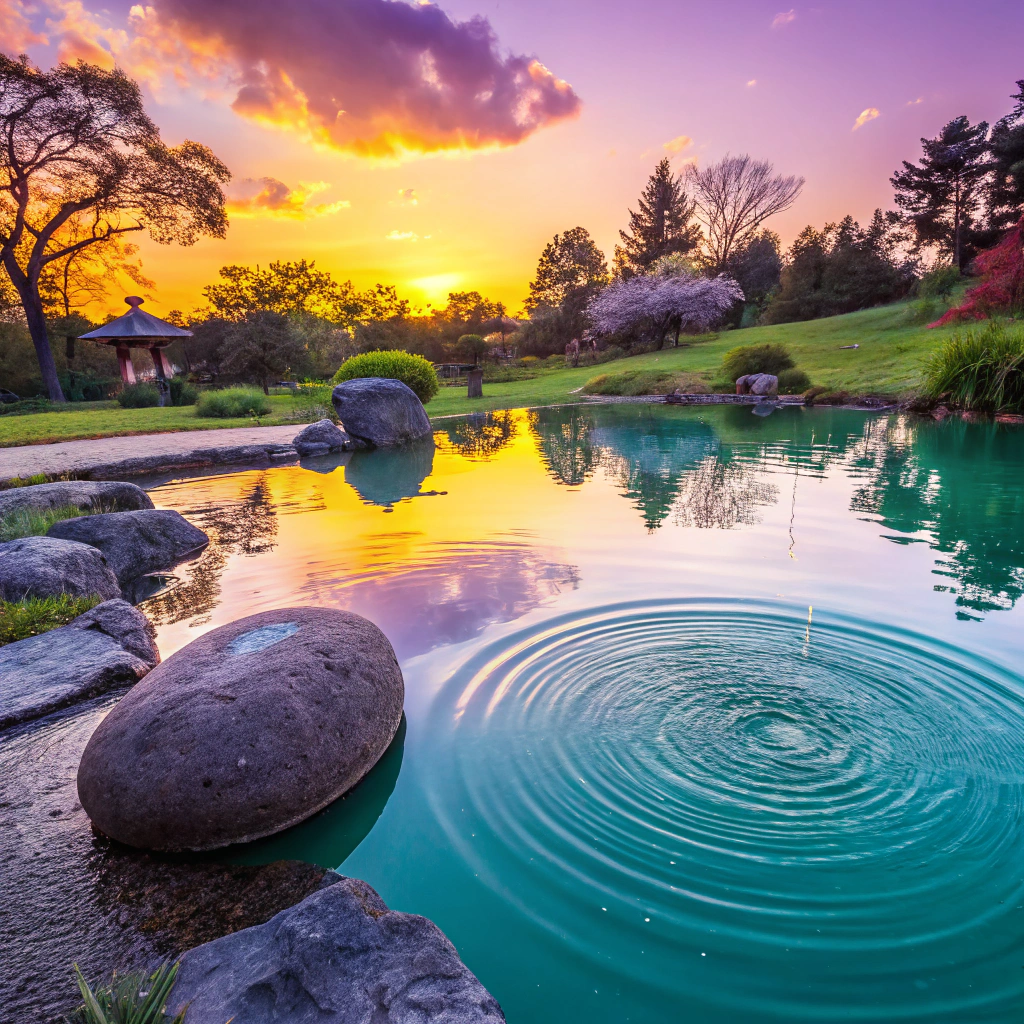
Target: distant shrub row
[(232, 403), (144, 396)]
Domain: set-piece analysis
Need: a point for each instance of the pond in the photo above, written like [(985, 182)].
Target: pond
[(708, 716)]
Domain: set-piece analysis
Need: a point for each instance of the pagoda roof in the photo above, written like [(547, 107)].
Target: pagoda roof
[(136, 325)]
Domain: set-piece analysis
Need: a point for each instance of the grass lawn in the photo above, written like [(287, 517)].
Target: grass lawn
[(889, 361)]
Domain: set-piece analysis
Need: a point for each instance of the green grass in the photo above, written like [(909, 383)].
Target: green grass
[(128, 999), (22, 619), (35, 522), (980, 369), (890, 361)]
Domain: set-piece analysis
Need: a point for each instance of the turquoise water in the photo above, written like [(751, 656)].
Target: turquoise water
[(709, 717)]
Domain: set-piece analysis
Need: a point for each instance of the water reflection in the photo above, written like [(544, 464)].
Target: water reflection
[(479, 436), (564, 439), (385, 476), (721, 495)]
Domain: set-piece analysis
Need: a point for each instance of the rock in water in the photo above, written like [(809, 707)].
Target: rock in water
[(338, 957), (87, 495), (47, 567), (380, 411), (320, 438), (247, 730), (108, 646), (135, 543)]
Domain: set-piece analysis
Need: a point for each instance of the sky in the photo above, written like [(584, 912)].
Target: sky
[(439, 147)]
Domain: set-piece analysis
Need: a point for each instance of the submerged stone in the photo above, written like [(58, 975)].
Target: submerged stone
[(338, 957), (380, 411), (135, 543), (47, 567), (247, 730), (107, 647)]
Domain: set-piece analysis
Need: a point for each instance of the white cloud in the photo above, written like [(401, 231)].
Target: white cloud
[(866, 115), (783, 18), (752, 83), (678, 144), (402, 236)]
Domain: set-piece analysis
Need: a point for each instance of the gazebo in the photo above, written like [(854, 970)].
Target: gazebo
[(138, 329)]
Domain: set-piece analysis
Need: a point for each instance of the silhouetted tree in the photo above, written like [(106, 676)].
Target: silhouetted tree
[(1006, 144), (262, 347), (734, 197), (660, 226), (941, 194), (77, 148), (756, 266)]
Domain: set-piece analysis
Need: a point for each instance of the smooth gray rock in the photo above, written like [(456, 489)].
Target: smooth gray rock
[(109, 646), (134, 543), (338, 957), (87, 495), (758, 384), (380, 411), (247, 730), (46, 567), (320, 438)]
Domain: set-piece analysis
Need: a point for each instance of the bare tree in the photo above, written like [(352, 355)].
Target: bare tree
[(735, 197), (77, 145)]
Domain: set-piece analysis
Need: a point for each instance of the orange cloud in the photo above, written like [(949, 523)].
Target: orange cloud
[(866, 115), (16, 32), (268, 197), (783, 18), (678, 144)]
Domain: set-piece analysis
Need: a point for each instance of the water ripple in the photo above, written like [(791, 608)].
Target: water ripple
[(819, 822)]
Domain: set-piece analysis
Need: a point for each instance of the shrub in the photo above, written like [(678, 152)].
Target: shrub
[(939, 283), (609, 354), (182, 393), (472, 347), (232, 403), (631, 383), (981, 370), (128, 999), (793, 382), (138, 396), (529, 360), (413, 371), (312, 403), (747, 359), (22, 619)]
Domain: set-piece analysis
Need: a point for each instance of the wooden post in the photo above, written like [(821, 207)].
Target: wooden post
[(475, 378), (124, 361)]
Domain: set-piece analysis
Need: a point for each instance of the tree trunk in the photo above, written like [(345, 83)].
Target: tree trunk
[(37, 329), (266, 389)]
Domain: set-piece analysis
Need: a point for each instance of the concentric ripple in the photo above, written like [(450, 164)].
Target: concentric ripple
[(818, 820)]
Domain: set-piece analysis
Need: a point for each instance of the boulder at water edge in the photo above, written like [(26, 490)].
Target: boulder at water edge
[(134, 543), (380, 411), (107, 647), (247, 730), (87, 495), (338, 957), (763, 384), (321, 438), (47, 567)]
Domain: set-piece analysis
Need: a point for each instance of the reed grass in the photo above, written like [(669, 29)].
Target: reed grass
[(129, 999), (981, 369)]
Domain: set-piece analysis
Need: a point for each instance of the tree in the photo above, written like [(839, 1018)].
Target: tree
[(734, 197), (262, 346), (756, 266), (941, 194), (77, 145), (472, 346), (569, 265), (1006, 146), (647, 308), (661, 226)]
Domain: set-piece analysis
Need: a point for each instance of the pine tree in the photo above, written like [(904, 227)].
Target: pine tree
[(1006, 195), (660, 227), (940, 195)]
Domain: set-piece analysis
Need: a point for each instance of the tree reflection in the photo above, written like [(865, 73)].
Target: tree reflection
[(721, 495), (960, 483), (246, 526), (479, 436), (566, 448)]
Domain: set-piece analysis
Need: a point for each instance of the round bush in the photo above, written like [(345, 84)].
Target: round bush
[(183, 393), (793, 382), (413, 371), (747, 359), (232, 403), (138, 396)]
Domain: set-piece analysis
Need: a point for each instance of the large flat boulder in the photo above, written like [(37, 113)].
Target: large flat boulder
[(338, 957), (47, 567), (380, 412), (321, 438), (107, 647), (135, 543), (87, 495), (247, 730)]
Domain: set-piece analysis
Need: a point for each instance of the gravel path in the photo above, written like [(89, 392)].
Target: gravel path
[(106, 456)]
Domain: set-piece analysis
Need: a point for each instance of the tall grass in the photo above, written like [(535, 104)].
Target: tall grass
[(129, 999), (22, 619), (981, 370), (231, 403), (35, 522)]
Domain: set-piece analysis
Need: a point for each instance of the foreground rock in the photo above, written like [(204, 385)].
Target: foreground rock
[(87, 495), (247, 730), (107, 647), (758, 384), (47, 567), (321, 438), (134, 543), (380, 412), (339, 957)]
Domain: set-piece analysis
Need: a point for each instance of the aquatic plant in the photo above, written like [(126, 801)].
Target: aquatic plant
[(980, 370), (129, 999), (232, 403), (414, 371), (34, 615)]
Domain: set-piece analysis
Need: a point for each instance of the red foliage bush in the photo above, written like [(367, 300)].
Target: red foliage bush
[(1002, 282)]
